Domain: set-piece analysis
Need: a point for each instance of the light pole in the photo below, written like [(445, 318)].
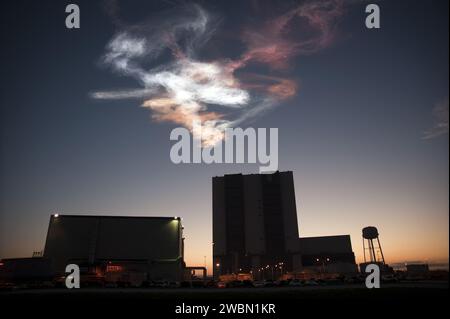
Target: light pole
[(268, 267), (218, 270), (323, 262), (281, 268)]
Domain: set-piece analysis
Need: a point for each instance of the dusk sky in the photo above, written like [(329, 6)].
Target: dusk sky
[(362, 114)]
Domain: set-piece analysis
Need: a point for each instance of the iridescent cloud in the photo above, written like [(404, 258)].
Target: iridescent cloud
[(182, 88)]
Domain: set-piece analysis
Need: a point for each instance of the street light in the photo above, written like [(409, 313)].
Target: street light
[(281, 268), (324, 261), (262, 273), (218, 268)]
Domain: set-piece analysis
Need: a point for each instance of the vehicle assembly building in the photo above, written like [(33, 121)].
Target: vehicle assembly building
[(254, 222), (146, 248), (255, 227)]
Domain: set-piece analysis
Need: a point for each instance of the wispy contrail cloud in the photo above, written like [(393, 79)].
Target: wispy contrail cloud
[(181, 88), (271, 43), (441, 126)]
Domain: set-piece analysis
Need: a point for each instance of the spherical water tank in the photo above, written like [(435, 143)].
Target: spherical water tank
[(370, 232)]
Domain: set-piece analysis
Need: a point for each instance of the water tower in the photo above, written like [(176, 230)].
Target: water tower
[(370, 238)]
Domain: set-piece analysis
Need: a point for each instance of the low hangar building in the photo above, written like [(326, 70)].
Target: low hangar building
[(129, 249)]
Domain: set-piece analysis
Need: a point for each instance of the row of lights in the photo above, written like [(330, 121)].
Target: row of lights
[(276, 266), (175, 218), (267, 267), (327, 259)]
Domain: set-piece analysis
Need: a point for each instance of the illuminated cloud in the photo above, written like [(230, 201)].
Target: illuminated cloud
[(440, 127), (273, 43), (182, 88)]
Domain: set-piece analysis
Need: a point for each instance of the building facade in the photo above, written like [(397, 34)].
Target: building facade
[(329, 254), (119, 248), (254, 223), (255, 230)]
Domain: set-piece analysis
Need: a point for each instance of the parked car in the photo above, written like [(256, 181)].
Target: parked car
[(211, 284), (311, 283), (197, 284), (221, 284), (333, 282), (296, 283), (173, 284), (354, 280), (321, 282), (258, 284), (269, 283), (160, 284), (110, 284), (282, 283), (235, 284), (388, 278)]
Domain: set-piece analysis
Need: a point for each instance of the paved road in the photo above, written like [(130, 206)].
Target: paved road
[(231, 291)]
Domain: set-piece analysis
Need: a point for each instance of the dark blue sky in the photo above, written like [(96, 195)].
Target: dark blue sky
[(352, 134)]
